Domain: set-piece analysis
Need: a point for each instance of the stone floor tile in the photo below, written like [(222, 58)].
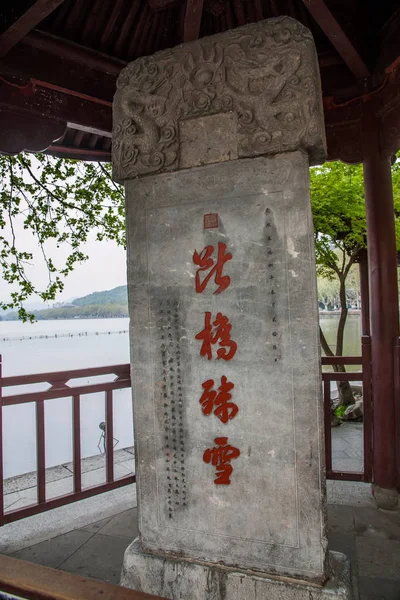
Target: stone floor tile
[(96, 526), (341, 519), (54, 489), (372, 522), (98, 461), (94, 477), (53, 523), (60, 488), (124, 468), (29, 480), (340, 453), (345, 543), (101, 557), (10, 500), (54, 552), (123, 525), (354, 452), (350, 493), (372, 588), (348, 465), (378, 557)]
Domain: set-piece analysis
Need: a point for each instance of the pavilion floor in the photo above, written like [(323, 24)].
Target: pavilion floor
[(93, 535)]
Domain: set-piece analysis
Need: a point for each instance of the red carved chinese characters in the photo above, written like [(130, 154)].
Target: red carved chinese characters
[(205, 262), (219, 402), (220, 457), (221, 335)]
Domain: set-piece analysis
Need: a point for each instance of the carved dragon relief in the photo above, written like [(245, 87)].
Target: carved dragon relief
[(266, 73)]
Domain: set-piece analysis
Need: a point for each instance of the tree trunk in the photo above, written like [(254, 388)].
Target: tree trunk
[(346, 396)]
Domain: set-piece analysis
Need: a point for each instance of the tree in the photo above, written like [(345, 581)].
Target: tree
[(328, 289), (338, 207), (60, 202)]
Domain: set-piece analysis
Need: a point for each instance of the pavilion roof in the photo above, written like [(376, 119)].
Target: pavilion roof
[(60, 60)]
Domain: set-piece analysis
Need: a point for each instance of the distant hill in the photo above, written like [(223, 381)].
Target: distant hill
[(98, 305), (118, 295)]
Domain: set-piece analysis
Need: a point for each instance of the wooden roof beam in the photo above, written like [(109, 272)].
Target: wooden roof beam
[(389, 42), (193, 14), (26, 22), (81, 112), (338, 37), (38, 57)]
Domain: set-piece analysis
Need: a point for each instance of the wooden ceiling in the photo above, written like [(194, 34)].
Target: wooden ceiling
[(59, 60)]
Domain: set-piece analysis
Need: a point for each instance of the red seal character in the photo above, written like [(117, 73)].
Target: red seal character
[(211, 401), (217, 332), (220, 457), (205, 262)]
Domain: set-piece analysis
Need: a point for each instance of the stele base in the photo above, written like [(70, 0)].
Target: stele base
[(175, 578)]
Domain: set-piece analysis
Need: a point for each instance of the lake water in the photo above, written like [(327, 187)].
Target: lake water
[(77, 344), (352, 334), (95, 347)]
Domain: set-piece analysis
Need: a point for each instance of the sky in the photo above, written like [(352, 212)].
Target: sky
[(104, 270)]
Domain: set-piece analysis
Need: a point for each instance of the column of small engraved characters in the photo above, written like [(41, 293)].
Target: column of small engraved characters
[(217, 331), (272, 287), (173, 406)]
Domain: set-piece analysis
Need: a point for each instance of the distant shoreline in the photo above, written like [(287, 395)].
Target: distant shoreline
[(44, 336), (5, 319), (351, 311)]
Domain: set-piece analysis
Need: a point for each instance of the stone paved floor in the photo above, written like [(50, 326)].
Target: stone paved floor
[(370, 538), (347, 447)]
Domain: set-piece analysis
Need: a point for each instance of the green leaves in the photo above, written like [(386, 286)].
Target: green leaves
[(61, 202), (340, 231), (338, 207)]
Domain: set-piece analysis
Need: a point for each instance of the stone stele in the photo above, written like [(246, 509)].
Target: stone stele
[(213, 140)]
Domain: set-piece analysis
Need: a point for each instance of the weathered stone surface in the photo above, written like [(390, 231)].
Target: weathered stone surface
[(220, 244), (271, 516), (251, 91), (177, 579)]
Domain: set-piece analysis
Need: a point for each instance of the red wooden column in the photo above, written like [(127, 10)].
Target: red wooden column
[(384, 311)]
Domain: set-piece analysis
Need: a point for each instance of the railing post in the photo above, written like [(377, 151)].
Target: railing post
[(328, 432), (76, 437), (109, 437), (367, 406), (40, 452), (1, 450)]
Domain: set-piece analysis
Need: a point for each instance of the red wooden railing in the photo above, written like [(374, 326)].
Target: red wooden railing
[(59, 388), (363, 376)]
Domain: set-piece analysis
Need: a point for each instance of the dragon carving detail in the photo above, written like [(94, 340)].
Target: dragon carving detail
[(266, 73)]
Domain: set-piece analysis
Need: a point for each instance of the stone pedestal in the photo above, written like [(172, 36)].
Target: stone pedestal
[(176, 578), (224, 325)]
